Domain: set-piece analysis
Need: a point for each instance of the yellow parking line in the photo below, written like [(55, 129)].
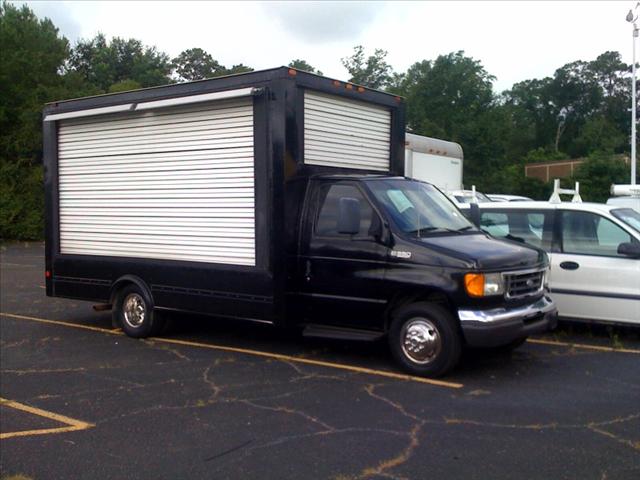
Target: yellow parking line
[(72, 424), (257, 353), (582, 345)]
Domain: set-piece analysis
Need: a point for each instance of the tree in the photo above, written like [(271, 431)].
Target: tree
[(597, 174), (104, 63), (240, 68), (32, 56), (452, 98), (196, 64), (303, 65), (373, 71)]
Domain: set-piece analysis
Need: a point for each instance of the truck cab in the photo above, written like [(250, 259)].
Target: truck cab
[(389, 255)]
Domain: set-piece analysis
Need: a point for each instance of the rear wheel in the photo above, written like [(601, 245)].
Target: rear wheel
[(134, 313), (424, 339)]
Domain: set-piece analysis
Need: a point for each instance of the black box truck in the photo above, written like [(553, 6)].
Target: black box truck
[(275, 196)]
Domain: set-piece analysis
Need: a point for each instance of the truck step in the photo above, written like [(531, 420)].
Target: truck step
[(340, 333)]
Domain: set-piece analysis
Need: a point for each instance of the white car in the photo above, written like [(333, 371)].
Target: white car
[(508, 198), (594, 251), (625, 201), (465, 197)]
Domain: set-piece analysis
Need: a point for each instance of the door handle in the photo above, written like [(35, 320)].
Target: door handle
[(307, 271), (569, 265)]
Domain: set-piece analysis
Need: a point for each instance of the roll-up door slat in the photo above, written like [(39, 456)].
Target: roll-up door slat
[(345, 133), (175, 183)]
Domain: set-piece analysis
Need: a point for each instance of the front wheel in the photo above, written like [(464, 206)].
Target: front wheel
[(424, 339)]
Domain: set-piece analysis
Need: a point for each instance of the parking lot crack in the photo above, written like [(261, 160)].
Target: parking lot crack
[(167, 348), (383, 468), (290, 411), (629, 443)]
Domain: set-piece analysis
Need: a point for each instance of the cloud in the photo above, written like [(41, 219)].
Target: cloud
[(313, 22), (61, 16)]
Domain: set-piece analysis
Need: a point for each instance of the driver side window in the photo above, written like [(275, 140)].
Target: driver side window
[(327, 221)]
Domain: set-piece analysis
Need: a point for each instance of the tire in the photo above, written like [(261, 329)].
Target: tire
[(133, 312), (426, 321)]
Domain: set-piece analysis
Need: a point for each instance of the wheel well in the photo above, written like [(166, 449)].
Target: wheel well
[(125, 280), (406, 298)]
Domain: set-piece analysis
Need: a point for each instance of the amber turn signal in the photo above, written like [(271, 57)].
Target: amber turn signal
[(474, 284)]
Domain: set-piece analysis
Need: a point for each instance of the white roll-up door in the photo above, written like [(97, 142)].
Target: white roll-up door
[(345, 133), (174, 183)]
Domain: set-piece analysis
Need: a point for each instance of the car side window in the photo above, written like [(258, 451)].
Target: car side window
[(495, 224), (590, 234), (527, 227), (327, 221)]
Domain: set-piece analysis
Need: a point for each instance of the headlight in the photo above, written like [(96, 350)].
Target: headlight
[(484, 284)]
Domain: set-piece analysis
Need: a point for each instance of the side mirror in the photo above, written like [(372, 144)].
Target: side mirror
[(379, 231), (349, 215), (629, 249), (474, 214)]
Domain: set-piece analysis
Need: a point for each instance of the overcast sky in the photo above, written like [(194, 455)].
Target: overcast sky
[(514, 41)]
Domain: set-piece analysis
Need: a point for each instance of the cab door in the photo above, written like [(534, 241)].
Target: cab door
[(342, 275), (589, 279)]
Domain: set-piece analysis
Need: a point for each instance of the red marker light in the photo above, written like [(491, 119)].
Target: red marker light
[(360, 89), (349, 86), (292, 72), (47, 274), (336, 83)]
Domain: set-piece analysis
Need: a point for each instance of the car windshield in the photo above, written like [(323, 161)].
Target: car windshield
[(419, 208), (628, 216)]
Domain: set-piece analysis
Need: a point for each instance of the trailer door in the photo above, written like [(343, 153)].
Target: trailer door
[(172, 183)]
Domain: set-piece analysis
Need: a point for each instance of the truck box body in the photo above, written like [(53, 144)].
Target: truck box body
[(184, 185), (435, 161)]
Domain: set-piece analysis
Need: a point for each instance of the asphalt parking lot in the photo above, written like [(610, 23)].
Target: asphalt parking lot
[(220, 400)]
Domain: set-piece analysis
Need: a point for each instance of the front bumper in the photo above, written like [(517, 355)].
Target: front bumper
[(501, 326)]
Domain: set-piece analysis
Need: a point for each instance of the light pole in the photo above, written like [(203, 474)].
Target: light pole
[(632, 17)]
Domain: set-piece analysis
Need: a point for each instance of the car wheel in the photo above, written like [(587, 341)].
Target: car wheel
[(424, 339)]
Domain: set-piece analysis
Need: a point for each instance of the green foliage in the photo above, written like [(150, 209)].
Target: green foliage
[(21, 202), (511, 180), (240, 68), (303, 65), (124, 86), (597, 173), (32, 55), (103, 64), (599, 134), (544, 155), (196, 64), (372, 71)]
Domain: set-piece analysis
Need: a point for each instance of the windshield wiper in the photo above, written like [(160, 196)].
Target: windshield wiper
[(422, 230), (439, 229)]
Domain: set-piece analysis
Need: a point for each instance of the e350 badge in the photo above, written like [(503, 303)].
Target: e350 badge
[(400, 254)]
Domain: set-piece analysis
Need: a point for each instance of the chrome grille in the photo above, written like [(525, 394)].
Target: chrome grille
[(522, 284)]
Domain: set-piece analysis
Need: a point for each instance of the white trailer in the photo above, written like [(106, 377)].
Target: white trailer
[(433, 160)]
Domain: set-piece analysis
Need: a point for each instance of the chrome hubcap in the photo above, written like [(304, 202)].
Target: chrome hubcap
[(421, 341), (134, 310)]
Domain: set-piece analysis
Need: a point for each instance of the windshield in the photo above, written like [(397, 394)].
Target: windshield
[(628, 216), (468, 198), (419, 208)]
